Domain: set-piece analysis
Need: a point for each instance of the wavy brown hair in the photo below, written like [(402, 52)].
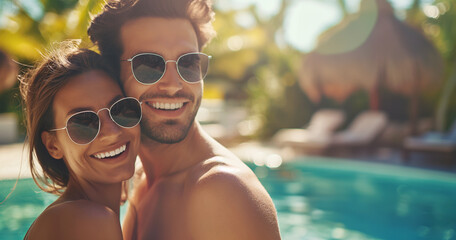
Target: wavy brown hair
[(38, 88), (105, 28)]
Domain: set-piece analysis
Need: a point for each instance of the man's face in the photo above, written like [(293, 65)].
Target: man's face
[(170, 105)]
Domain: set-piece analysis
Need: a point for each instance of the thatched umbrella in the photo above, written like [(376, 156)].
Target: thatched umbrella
[(8, 72), (371, 49)]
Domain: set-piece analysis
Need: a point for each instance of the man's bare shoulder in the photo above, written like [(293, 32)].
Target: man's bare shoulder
[(79, 219), (221, 164), (227, 201), (223, 172)]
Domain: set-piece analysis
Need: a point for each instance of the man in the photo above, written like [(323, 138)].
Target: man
[(194, 188)]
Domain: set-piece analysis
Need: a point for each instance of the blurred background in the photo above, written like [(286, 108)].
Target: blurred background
[(279, 58), (322, 83)]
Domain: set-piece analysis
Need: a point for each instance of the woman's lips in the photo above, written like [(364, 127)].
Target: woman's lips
[(114, 153)]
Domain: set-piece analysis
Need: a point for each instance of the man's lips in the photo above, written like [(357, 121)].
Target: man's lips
[(167, 109), (166, 105)]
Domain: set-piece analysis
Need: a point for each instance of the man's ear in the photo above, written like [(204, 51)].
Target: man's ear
[(51, 144)]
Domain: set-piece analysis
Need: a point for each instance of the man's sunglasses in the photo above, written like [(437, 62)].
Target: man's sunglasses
[(83, 127), (149, 68)]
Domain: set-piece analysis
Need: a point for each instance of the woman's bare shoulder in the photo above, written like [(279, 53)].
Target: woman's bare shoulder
[(79, 219)]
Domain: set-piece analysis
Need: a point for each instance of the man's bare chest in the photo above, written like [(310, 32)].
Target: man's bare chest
[(162, 212)]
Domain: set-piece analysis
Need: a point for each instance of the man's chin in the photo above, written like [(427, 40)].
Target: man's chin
[(166, 139), (169, 132)]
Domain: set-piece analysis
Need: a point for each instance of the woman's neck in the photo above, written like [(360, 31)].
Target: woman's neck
[(108, 194)]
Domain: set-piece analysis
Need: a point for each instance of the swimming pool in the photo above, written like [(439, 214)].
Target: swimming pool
[(22, 207), (316, 198), (321, 198)]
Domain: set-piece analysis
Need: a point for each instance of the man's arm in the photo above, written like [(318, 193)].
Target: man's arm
[(228, 203), (130, 222)]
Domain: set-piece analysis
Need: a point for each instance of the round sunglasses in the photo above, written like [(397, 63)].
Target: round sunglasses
[(83, 127), (149, 68)]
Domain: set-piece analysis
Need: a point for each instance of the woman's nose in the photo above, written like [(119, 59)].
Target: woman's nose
[(108, 128)]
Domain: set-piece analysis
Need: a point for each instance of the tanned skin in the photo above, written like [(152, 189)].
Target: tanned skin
[(89, 207), (192, 187)]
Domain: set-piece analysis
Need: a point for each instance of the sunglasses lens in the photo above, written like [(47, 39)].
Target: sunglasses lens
[(83, 127), (126, 112), (148, 68), (193, 67)]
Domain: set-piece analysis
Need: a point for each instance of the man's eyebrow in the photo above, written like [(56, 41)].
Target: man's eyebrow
[(81, 109), (136, 52), (141, 52)]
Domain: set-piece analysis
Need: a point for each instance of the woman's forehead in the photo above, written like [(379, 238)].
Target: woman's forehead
[(90, 90)]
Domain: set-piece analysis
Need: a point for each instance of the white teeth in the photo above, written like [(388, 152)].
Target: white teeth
[(167, 106), (111, 153)]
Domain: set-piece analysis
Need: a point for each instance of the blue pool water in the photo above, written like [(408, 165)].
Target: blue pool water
[(319, 198), (21, 208), (316, 198)]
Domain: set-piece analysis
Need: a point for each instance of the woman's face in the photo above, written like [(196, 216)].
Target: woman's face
[(93, 91)]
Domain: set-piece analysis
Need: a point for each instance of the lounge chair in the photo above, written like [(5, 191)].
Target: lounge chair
[(362, 133), (432, 142), (364, 129), (8, 128), (316, 136)]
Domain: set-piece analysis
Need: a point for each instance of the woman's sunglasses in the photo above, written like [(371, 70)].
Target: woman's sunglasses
[(149, 68), (83, 127)]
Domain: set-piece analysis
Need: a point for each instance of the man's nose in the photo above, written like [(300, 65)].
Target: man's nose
[(171, 81)]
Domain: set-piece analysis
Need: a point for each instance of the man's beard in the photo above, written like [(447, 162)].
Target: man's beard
[(170, 131)]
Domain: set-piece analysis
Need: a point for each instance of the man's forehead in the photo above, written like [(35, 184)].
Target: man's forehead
[(158, 35)]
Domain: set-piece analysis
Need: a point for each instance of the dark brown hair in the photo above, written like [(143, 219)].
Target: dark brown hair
[(104, 29), (38, 88)]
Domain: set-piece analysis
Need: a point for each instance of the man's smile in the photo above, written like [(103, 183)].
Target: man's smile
[(166, 105)]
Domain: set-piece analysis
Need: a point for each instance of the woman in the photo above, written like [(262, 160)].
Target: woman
[(85, 136)]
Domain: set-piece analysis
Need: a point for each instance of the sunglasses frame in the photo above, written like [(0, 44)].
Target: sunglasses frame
[(99, 120), (209, 57)]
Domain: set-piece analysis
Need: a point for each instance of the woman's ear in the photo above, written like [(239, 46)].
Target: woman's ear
[(51, 144)]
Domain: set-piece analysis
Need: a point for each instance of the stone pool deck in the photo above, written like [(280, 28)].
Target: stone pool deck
[(11, 158)]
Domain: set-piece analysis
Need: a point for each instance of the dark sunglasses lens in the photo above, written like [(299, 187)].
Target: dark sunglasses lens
[(83, 127), (148, 68), (193, 67), (126, 113)]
